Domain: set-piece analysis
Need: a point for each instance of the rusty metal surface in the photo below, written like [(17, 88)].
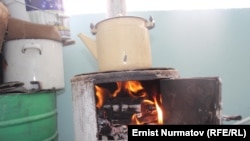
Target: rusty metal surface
[(192, 101), (140, 74)]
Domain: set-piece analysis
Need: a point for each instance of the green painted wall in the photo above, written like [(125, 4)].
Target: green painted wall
[(196, 43)]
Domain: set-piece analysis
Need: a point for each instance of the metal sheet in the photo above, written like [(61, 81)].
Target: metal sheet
[(191, 100)]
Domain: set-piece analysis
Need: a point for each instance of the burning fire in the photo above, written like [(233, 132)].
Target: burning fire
[(151, 113), (159, 112), (100, 94), (150, 110), (133, 88)]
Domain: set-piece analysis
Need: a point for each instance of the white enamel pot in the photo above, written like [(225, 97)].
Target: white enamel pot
[(122, 43), (38, 63)]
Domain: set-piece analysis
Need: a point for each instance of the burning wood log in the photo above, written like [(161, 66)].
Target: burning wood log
[(149, 118), (147, 107), (148, 114)]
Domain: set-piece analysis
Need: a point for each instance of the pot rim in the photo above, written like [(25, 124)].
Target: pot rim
[(120, 17)]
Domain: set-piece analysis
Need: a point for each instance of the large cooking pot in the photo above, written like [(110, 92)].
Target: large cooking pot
[(4, 15), (38, 63), (122, 43)]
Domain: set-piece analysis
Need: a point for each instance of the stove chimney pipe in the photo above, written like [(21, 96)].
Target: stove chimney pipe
[(116, 8)]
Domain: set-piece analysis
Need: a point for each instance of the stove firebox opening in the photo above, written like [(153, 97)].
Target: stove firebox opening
[(122, 103)]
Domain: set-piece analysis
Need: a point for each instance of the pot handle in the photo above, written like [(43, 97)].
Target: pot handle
[(151, 23), (38, 84), (93, 29), (32, 46)]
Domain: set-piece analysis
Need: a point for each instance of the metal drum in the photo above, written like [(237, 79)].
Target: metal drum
[(28, 117)]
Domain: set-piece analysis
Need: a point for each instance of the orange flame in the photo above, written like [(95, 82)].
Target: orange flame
[(133, 88), (151, 111), (159, 111), (119, 88), (135, 120), (101, 93)]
